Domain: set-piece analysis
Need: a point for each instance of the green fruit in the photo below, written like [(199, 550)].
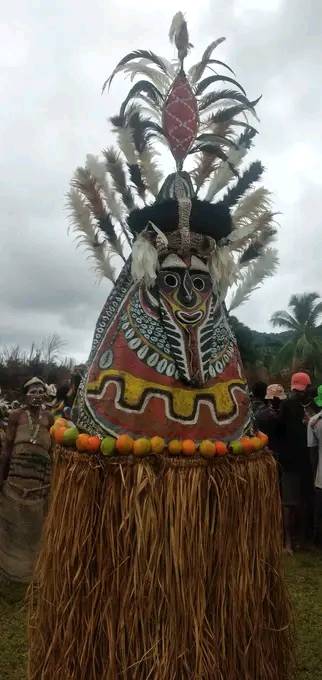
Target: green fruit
[(236, 447), (108, 446), (70, 436)]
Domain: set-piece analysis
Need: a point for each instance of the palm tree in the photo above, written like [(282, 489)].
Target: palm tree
[(304, 347)]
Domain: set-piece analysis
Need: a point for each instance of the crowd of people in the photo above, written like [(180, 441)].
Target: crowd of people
[(293, 423)]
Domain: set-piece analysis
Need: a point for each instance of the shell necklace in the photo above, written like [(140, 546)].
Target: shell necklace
[(34, 426)]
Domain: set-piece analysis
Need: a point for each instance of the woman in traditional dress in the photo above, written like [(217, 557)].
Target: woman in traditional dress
[(25, 468)]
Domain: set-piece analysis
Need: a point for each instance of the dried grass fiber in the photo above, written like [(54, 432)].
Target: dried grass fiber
[(161, 571)]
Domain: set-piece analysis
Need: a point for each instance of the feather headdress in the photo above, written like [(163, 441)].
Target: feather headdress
[(201, 113)]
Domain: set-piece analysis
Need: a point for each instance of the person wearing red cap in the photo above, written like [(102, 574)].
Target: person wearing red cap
[(297, 487)]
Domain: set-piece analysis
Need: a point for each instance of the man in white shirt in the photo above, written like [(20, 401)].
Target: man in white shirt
[(314, 442)]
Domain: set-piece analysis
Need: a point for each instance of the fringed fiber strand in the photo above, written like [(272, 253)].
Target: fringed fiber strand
[(161, 569)]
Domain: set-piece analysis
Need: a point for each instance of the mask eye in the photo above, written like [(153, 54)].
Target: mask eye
[(198, 283), (170, 280)]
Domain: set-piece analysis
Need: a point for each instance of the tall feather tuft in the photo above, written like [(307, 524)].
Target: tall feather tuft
[(147, 55), (161, 80), (256, 246), (198, 69), (87, 234), (250, 207), (178, 35), (89, 188), (116, 169), (245, 182), (206, 164), (127, 146), (225, 172), (254, 228), (223, 269), (257, 272), (97, 169), (151, 174)]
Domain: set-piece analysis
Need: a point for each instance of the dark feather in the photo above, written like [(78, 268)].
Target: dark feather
[(200, 67), (214, 97), (228, 113), (116, 169), (220, 63), (205, 218), (256, 247), (142, 87), (203, 84), (136, 54), (247, 137), (208, 147), (245, 181), (206, 165), (86, 184), (142, 129), (136, 178), (253, 251), (215, 139)]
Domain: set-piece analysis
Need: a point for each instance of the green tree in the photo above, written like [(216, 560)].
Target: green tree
[(303, 349)]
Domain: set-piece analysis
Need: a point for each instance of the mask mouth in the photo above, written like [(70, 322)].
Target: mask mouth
[(189, 317)]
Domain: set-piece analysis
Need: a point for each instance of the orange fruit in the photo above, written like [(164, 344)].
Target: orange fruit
[(257, 443), (157, 444), (59, 434), (221, 448), (175, 447), (263, 437), (81, 442), (189, 447), (207, 448), (141, 447), (61, 422), (93, 444), (247, 444), (124, 444)]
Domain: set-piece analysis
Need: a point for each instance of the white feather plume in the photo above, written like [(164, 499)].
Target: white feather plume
[(86, 235), (150, 171), (126, 144), (225, 172), (250, 207), (256, 273), (97, 169), (144, 261), (223, 269), (176, 25), (241, 235), (160, 80)]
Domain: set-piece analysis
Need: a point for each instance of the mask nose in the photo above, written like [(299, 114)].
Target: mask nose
[(186, 293)]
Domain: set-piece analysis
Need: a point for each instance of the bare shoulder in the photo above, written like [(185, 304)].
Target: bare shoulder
[(15, 416), (48, 416)]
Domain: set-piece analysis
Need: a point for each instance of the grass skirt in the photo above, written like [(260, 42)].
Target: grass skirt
[(161, 568)]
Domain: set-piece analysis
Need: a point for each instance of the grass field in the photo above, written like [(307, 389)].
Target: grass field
[(304, 575)]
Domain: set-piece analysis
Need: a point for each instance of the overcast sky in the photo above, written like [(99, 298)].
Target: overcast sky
[(54, 57)]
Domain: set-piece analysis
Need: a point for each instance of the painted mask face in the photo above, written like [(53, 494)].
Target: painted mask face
[(186, 299), (165, 360), (35, 395)]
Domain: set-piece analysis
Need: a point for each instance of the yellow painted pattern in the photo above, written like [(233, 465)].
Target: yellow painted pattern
[(183, 399)]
